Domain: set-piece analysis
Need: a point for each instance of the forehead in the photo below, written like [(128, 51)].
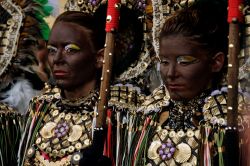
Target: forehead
[(177, 45), (65, 32)]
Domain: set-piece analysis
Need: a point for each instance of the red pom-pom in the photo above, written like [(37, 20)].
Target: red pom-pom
[(235, 11), (113, 14)]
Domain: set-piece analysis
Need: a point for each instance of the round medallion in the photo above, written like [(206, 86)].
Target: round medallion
[(87, 142), (172, 134), (75, 134), (71, 149), (152, 151), (47, 130), (55, 113), (75, 159), (38, 140), (48, 149), (62, 115), (181, 133), (31, 152), (190, 133), (182, 153), (67, 117), (164, 132), (44, 146), (78, 146), (54, 152)]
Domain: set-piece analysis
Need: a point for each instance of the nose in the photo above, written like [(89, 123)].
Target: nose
[(58, 57), (171, 73)]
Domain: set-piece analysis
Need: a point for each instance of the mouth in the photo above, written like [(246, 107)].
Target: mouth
[(60, 73), (175, 87)]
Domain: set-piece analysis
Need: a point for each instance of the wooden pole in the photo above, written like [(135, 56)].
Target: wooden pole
[(232, 135), (113, 13)]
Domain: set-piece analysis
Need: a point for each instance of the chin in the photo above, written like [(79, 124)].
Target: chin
[(62, 84), (180, 96)]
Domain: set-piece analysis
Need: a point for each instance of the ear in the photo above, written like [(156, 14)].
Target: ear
[(218, 61), (99, 58)]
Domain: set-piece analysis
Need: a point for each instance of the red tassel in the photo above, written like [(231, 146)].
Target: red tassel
[(235, 10), (113, 14), (108, 146)]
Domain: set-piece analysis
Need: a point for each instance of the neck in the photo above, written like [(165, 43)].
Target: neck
[(80, 91)]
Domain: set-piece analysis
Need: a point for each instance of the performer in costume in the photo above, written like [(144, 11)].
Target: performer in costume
[(184, 120), (62, 119), (21, 24), (131, 65)]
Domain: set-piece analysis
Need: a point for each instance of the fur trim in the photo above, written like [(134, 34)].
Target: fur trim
[(19, 95)]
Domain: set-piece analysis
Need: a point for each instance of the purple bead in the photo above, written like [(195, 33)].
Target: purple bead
[(64, 124), (169, 155), (66, 127), (56, 130), (63, 133), (140, 4), (161, 152), (144, 5), (163, 157), (163, 146), (172, 150), (94, 3), (169, 145), (59, 135)]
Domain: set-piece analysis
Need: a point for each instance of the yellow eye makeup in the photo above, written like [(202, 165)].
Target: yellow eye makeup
[(186, 60), (72, 46)]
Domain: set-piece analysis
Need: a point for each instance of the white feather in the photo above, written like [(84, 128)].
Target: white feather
[(55, 4), (19, 95)]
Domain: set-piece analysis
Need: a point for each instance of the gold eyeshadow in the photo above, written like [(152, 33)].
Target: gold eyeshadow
[(186, 59), (72, 46)]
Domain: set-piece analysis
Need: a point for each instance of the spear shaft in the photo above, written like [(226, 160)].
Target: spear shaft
[(111, 26), (232, 136)]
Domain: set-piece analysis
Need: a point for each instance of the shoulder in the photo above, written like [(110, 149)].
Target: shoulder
[(154, 102), (49, 94), (215, 107), (126, 96)]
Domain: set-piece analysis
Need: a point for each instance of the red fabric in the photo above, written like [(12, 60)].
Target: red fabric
[(45, 155), (114, 12), (108, 146), (234, 10)]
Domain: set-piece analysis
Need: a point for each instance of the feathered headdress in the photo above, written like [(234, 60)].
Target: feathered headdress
[(21, 24)]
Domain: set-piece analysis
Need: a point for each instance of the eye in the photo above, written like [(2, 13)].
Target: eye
[(187, 60), (164, 61), (71, 48), (51, 49)]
